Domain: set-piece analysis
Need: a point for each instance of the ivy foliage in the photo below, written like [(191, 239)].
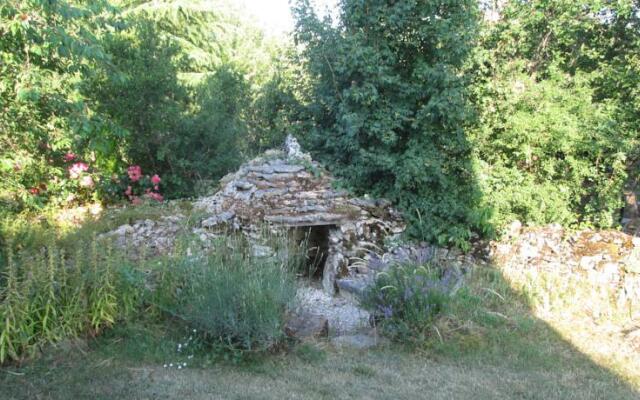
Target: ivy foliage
[(389, 106)]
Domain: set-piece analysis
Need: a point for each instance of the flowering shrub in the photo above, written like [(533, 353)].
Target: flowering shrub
[(133, 186), (81, 181), (406, 299), (135, 173)]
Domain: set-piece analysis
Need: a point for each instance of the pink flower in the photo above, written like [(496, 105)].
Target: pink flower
[(78, 168), (69, 157), (129, 191), (136, 201), (86, 181), (156, 180), (156, 188), (34, 191), (135, 173), (155, 196)]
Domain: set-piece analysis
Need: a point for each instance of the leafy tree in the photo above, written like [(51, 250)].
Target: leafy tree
[(557, 100), (389, 106), (182, 133), (212, 141), (548, 153), (46, 49), (209, 34), (277, 109), (143, 96)]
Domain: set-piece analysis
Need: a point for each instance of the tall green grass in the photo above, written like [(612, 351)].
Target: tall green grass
[(47, 296)]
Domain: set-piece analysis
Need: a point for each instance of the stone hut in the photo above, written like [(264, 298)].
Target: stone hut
[(286, 189)]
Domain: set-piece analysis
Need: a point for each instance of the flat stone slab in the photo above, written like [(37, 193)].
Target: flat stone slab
[(360, 341), (314, 219), (307, 325), (343, 315)]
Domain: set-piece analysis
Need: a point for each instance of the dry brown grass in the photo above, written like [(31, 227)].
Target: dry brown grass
[(587, 315)]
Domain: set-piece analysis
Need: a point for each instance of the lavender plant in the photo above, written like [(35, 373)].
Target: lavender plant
[(406, 299), (235, 299)]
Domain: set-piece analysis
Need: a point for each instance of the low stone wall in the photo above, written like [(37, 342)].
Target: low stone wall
[(609, 258)]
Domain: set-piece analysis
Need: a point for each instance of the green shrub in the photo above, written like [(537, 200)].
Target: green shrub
[(182, 132), (407, 299), (549, 154), (558, 110), (48, 48), (232, 298)]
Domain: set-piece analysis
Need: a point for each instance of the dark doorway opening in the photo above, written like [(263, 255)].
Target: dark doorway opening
[(315, 240)]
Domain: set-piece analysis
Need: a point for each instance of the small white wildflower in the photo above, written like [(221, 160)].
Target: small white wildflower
[(194, 331), (179, 367), (165, 365), (171, 365), (190, 357), (184, 364)]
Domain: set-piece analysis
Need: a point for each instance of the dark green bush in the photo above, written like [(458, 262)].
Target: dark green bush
[(184, 133), (387, 101)]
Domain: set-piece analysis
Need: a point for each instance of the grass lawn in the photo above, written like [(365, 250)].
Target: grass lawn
[(390, 373)]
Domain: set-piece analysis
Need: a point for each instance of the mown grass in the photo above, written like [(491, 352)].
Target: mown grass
[(386, 373)]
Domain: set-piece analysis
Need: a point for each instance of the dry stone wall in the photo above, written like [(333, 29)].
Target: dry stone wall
[(607, 258), (286, 189)]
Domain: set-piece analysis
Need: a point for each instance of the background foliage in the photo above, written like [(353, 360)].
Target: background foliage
[(554, 91), (47, 49), (163, 85), (465, 123)]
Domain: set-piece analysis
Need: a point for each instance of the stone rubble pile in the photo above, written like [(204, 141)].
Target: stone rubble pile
[(602, 257), (154, 236)]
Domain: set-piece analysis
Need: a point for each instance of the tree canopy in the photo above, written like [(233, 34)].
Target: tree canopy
[(466, 123)]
